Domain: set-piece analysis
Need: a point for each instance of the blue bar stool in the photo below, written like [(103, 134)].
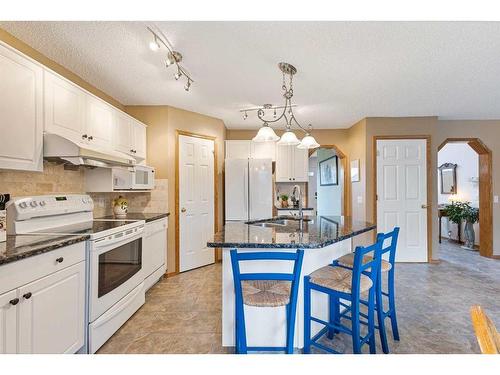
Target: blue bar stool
[(265, 290), (341, 283), (386, 266)]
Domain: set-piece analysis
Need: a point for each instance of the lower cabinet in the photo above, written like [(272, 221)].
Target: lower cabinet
[(46, 315)]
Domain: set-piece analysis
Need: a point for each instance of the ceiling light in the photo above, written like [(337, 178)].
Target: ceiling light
[(188, 85), (154, 45), (308, 142), (245, 116), (288, 139), (265, 134), (177, 75)]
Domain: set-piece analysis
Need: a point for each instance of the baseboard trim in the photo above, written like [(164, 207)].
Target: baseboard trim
[(170, 274)]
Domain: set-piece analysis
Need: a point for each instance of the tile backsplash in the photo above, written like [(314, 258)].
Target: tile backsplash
[(56, 179)]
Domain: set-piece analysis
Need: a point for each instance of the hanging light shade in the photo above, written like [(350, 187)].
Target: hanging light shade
[(308, 142), (265, 134), (288, 139)]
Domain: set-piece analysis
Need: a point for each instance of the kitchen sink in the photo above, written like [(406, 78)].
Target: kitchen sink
[(282, 222)]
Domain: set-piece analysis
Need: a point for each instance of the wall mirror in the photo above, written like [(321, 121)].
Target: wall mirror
[(448, 174)]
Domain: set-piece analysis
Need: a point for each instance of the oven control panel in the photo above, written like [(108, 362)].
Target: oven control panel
[(23, 208)]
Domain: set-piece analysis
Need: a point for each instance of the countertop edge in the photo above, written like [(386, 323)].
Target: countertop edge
[(57, 244), (289, 246)]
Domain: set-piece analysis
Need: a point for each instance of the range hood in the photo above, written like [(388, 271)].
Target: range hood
[(56, 147)]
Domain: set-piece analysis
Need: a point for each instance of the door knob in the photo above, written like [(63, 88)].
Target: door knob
[(424, 206), (183, 209)]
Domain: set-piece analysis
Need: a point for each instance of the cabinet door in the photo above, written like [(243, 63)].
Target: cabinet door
[(139, 140), (238, 149), (155, 246), (8, 323), (52, 311), (99, 123), (283, 163), (300, 164), (123, 135), (64, 106), (21, 111), (263, 150)]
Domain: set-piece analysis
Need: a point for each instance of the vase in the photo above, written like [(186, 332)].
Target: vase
[(284, 204), (470, 236)]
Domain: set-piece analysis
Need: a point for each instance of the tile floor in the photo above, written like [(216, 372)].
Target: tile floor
[(182, 314)]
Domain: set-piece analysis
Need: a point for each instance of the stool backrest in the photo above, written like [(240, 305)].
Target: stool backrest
[(368, 267), (294, 277), (391, 247)]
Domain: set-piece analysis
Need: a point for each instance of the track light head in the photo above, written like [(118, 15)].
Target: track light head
[(177, 75), (154, 45), (188, 85)]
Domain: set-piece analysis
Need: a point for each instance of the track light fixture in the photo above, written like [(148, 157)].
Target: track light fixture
[(173, 57)]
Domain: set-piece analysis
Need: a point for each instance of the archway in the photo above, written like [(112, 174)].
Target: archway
[(343, 162), (485, 192)]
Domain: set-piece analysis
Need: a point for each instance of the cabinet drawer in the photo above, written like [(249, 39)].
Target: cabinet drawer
[(13, 275)]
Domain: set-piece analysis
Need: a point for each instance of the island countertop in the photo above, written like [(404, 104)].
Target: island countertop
[(316, 232)]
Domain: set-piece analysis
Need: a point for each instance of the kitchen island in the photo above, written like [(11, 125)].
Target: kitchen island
[(323, 238)]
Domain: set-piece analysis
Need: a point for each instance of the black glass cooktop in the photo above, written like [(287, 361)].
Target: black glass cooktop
[(89, 227)]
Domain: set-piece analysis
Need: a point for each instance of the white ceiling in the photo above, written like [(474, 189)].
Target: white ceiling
[(346, 70)]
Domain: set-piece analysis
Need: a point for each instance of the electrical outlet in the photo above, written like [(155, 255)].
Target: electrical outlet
[(495, 199), (360, 199)]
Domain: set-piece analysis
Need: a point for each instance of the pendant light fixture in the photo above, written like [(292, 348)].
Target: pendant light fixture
[(266, 133)]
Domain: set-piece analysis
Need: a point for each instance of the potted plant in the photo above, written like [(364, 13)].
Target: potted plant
[(463, 211), (284, 200)]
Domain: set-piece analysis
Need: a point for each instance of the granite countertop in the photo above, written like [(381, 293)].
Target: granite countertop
[(147, 217), (22, 246), (319, 231)]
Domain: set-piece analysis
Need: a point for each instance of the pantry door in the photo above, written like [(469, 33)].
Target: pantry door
[(402, 195), (196, 201)]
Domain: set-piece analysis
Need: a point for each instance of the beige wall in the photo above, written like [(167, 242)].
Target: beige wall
[(163, 122)]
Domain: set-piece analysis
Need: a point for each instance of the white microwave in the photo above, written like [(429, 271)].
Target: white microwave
[(139, 177)]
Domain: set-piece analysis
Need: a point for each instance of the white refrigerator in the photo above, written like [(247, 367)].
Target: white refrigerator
[(249, 189)]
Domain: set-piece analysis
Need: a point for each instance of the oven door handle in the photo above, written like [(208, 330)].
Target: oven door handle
[(105, 242)]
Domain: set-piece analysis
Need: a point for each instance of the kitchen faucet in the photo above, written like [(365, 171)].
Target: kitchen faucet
[(296, 189)]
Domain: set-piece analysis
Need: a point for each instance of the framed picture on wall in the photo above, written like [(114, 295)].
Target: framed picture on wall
[(328, 171), (355, 170)]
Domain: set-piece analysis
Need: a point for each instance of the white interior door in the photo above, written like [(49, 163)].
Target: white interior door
[(196, 201), (402, 195)]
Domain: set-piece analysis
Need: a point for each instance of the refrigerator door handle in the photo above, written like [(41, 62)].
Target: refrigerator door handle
[(245, 193)]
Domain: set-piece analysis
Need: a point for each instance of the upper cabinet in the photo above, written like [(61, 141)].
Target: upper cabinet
[(292, 164), (248, 149), (21, 111), (100, 121), (65, 107), (129, 136)]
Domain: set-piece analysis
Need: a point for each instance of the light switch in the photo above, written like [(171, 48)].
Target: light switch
[(360, 199), (495, 199)]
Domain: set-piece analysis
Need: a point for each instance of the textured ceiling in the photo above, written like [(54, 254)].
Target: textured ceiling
[(347, 70)]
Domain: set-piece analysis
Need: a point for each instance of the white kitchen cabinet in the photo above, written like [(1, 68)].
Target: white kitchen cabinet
[(292, 164), (51, 314), (64, 105), (123, 133), (154, 251), (8, 322), (244, 149), (138, 139), (42, 302), (100, 122), (21, 112)]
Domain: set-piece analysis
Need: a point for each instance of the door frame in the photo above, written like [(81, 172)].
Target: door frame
[(485, 192), (343, 160), (427, 139), (178, 133)]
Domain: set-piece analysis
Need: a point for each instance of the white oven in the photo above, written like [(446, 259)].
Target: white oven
[(116, 282), (139, 177)]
